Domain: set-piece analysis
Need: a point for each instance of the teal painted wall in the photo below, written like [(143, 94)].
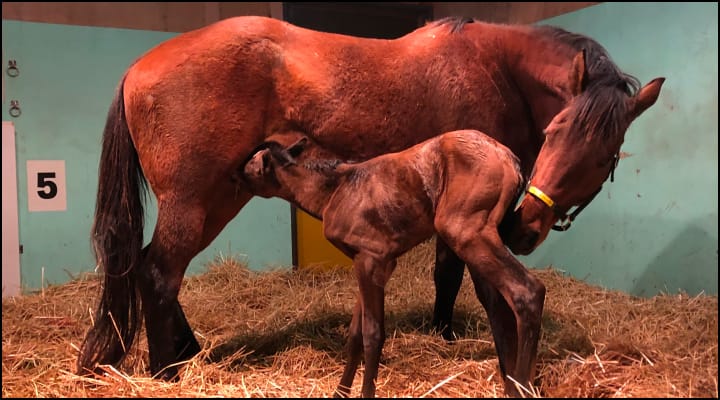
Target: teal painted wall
[(655, 229), (67, 79)]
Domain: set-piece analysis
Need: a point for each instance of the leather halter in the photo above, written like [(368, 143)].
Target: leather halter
[(565, 220)]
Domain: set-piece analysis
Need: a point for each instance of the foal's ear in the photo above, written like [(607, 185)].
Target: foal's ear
[(265, 167), (259, 165), (296, 148), (266, 162), (646, 97), (578, 74)]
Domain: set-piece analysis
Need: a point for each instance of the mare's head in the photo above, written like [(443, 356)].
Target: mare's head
[(582, 143)]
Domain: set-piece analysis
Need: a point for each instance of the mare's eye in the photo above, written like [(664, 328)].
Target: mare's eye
[(607, 162)]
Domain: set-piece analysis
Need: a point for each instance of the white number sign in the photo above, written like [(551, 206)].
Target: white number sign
[(46, 185)]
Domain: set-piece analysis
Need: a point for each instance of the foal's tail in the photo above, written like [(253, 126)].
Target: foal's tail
[(117, 239)]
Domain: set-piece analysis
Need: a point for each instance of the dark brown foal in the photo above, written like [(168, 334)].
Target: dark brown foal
[(457, 185)]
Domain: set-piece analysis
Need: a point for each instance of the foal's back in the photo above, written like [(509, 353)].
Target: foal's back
[(392, 202)]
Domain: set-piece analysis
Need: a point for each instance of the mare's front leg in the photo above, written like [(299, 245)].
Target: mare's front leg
[(448, 275)]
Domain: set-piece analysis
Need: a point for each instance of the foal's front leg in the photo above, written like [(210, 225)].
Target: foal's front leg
[(514, 297), (354, 351), (372, 276)]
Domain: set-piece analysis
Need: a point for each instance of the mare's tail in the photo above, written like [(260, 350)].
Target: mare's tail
[(117, 239)]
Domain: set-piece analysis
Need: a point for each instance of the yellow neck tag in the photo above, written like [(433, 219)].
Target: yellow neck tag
[(542, 196)]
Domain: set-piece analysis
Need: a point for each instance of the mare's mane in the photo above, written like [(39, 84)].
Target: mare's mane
[(602, 106)]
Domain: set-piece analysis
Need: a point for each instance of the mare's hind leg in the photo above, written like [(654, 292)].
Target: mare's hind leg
[(176, 240), (186, 231), (448, 275), (492, 266), (184, 342)]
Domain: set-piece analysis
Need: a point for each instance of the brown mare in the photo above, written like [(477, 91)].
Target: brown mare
[(458, 185), (189, 112)]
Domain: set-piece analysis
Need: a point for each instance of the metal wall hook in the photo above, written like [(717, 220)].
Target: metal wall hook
[(15, 108), (12, 69)]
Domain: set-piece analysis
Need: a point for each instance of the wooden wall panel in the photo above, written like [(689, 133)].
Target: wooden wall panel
[(508, 12), (233, 9), (184, 16), (486, 11), (156, 16), (527, 12)]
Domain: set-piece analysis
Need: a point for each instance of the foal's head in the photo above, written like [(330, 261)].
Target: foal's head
[(267, 169), (293, 172), (581, 147)]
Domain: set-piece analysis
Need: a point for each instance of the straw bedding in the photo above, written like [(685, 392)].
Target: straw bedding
[(282, 334)]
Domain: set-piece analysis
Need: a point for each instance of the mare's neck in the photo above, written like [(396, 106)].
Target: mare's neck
[(541, 67)]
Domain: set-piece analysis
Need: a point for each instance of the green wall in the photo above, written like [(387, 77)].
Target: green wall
[(67, 79), (655, 228)]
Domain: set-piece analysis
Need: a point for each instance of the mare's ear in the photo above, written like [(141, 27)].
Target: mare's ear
[(578, 74), (296, 148), (646, 97)]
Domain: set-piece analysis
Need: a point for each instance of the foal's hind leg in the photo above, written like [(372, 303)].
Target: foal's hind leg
[(448, 275)]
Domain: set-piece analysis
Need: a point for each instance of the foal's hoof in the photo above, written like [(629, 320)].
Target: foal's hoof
[(168, 374), (88, 372), (448, 335), (341, 393), (444, 329)]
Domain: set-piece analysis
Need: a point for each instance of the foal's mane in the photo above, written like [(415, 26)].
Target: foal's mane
[(277, 151)]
